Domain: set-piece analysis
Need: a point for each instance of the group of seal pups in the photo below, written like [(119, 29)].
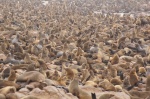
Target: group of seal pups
[(41, 48)]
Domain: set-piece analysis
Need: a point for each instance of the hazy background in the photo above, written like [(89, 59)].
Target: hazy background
[(84, 6)]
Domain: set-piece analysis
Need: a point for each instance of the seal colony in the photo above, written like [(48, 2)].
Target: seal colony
[(47, 52)]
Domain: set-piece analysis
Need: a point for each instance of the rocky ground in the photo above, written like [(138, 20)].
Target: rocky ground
[(74, 50)]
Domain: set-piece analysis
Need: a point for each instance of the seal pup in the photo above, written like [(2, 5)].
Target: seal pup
[(133, 79), (115, 59), (75, 90), (85, 75), (12, 77), (69, 73)]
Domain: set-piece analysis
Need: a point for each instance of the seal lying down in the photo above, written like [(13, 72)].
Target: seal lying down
[(31, 76)]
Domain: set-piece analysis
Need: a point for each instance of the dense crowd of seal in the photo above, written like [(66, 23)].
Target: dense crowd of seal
[(50, 52)]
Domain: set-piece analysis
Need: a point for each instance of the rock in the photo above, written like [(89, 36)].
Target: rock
[(11, 96), (57, 93), (30, 97), (30, 87), (75, 62), (98, 92), (60, 53), (51, 89), (20, 95), (36, 91), (24, 90), (71, 96), (117, 95), (90, 89), (2, 96)]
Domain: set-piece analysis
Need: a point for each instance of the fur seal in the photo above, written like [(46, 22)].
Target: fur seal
[(75, 90), (31, 76), (12, 77)]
